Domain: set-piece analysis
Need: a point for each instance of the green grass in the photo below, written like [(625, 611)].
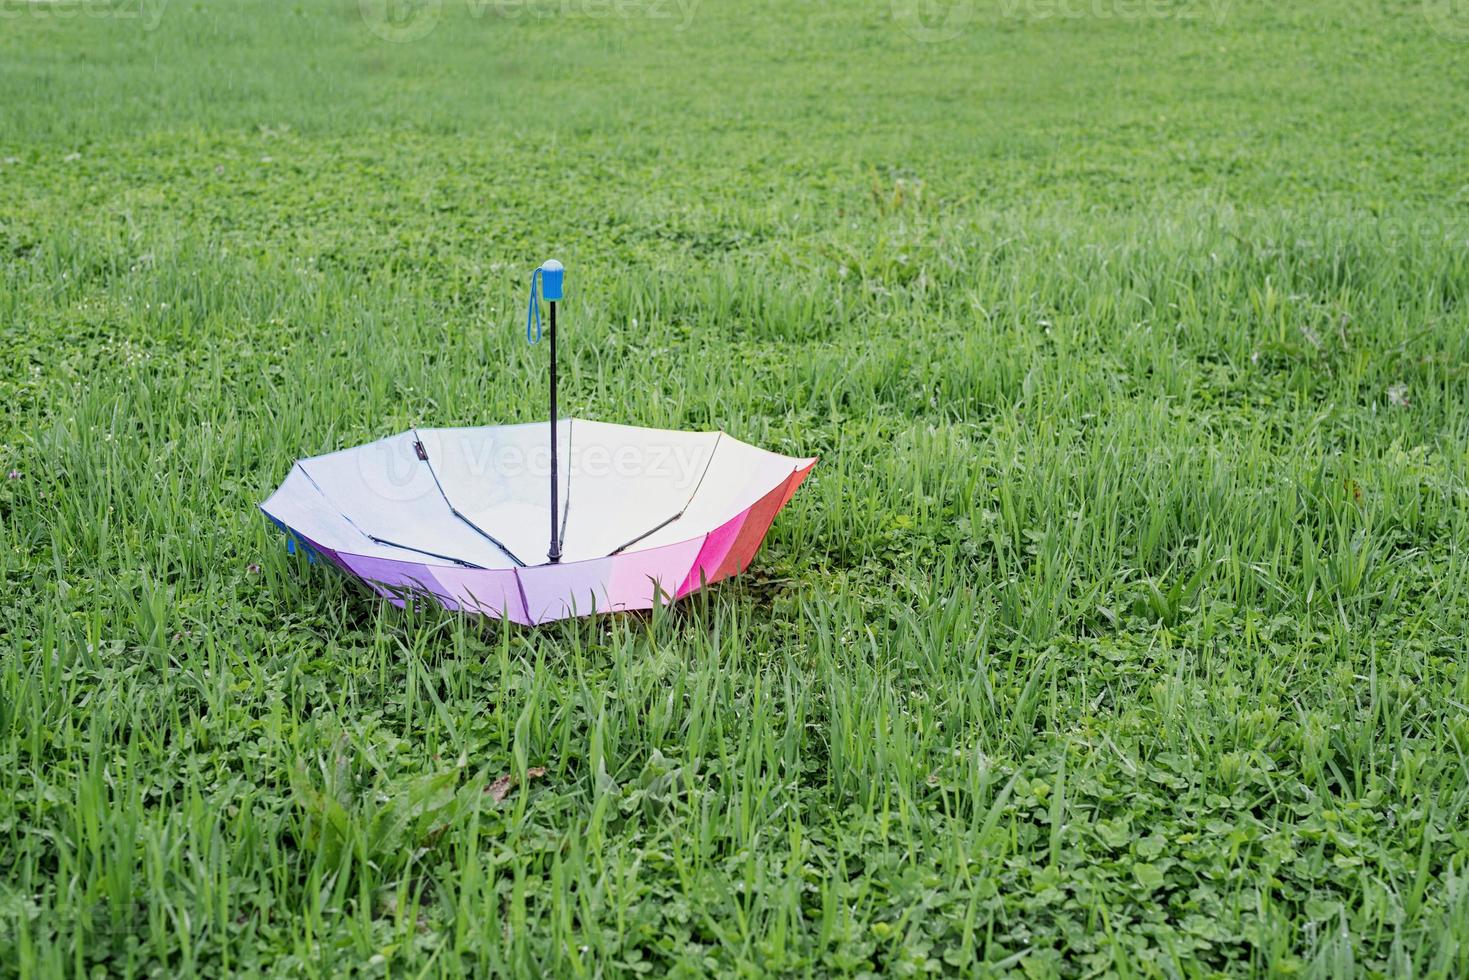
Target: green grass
[(1119, 632)]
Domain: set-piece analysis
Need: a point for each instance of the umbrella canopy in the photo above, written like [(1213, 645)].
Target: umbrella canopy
[(462, 515)]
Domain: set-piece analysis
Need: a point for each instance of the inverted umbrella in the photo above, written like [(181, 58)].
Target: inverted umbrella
[(633, 516)]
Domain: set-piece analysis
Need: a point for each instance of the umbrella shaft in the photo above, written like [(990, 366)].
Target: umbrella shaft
[(555, 553)]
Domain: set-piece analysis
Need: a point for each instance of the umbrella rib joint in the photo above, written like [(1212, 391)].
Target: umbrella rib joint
[(681, 511), (422, 453), (373, 537)]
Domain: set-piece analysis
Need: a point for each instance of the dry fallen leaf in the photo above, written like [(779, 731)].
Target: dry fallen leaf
[(501, 787)]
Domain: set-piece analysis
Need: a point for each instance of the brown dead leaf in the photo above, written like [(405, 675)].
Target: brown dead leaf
[(501, 787)]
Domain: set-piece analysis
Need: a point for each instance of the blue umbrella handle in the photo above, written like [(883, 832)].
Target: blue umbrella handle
[(548, 275)]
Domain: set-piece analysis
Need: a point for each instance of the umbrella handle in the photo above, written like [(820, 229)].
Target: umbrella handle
[(549, 277)]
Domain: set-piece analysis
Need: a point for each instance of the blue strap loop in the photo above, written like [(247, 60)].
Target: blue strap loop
[(533, 313)]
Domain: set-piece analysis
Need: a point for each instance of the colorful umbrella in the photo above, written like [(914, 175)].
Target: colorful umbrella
[(633, 516)]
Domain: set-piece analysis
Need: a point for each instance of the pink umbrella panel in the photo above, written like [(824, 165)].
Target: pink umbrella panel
[(461, 515)]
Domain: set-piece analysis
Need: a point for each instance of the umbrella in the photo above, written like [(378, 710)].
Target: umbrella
[(539, 521)]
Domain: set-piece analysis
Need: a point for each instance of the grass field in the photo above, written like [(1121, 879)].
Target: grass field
[(1120, 631)]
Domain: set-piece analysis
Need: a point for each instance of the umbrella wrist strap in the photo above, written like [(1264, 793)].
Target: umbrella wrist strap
[(533, 312)]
